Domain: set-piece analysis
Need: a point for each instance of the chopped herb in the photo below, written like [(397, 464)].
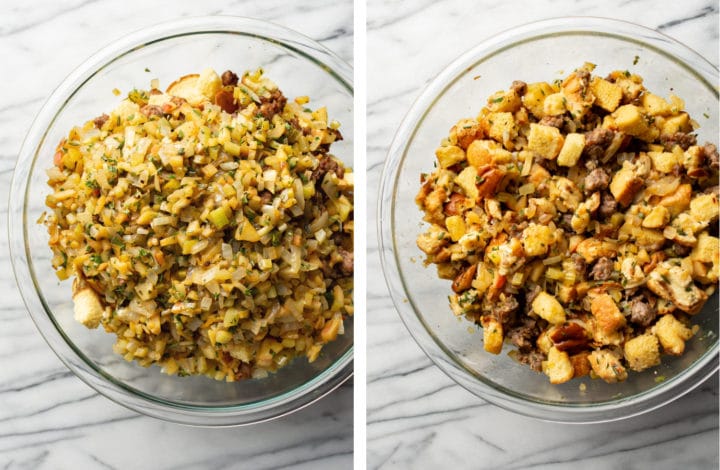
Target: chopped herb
[(116, 240), (498, 100), (635, 60), (97, 259)]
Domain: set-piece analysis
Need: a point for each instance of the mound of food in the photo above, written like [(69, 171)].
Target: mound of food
[(209, 227), (579, 221)]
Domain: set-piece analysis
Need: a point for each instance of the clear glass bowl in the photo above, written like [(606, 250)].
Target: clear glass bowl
[(538, 51), (299, 66)]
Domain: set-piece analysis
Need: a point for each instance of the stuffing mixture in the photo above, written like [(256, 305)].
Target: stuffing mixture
[(207, 226), (577, 220)]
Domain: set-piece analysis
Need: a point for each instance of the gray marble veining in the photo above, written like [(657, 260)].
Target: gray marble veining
[(419, 418), (48, 418)]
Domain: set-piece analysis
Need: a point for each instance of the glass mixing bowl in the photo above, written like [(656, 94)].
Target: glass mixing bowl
[(541, 51), (299, 66)]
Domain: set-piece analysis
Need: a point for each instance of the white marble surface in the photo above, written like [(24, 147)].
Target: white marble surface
[(48, 418), (416, 416)]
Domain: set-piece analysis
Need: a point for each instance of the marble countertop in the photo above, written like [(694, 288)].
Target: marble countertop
[(417, 417), (48, 418)]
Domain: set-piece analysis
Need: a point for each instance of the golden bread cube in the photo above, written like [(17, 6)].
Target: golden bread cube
[(536, 239), (607, 94), (87, 307), (672, 334), (548, 308), (608, 317), (677, 201), (558, 366), (449, 155), (655, 105), (592, 248), (624, 185), (554, 104), (678, 123), (456, 227), (545, 141), (487, 152), (209, 83), (672, 280), (502, 128), (571, 149), (535, 95), (658, 217), (606, 365), (704, 208), (706, 249), (492, 335), (642, 352), (664, 162), (630, 120), (467, 180), (504, 101)]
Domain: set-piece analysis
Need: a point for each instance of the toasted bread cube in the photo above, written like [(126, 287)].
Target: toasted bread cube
[(456, 227), (548, 308), (478, 153), (672, 280), (580, 363), (664, 162), (554, 104), (642, 352), (608, 317), (502, 128), (631, 85), (558, 366), (571, 149), (449, 155), (625, 184), (504, 101), (492, 335), (704, 208), (672, 334), (630, 120), (607, 94), (592, 248), (186, 87), (465, 132), (209, 83), (487, 152), (467, 180), (658, 217), (88, 309), (536, 239), (606, 365), (544, 343), (545, 141), (535, 95), (677, 201), (483, 278), (678, 123), (707, 250), (655, 105)]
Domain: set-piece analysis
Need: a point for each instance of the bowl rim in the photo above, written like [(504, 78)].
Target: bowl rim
[(93, 375), (605, 411)]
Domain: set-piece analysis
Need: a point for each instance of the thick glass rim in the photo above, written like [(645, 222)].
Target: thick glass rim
[(605, 411), (226, 415)]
